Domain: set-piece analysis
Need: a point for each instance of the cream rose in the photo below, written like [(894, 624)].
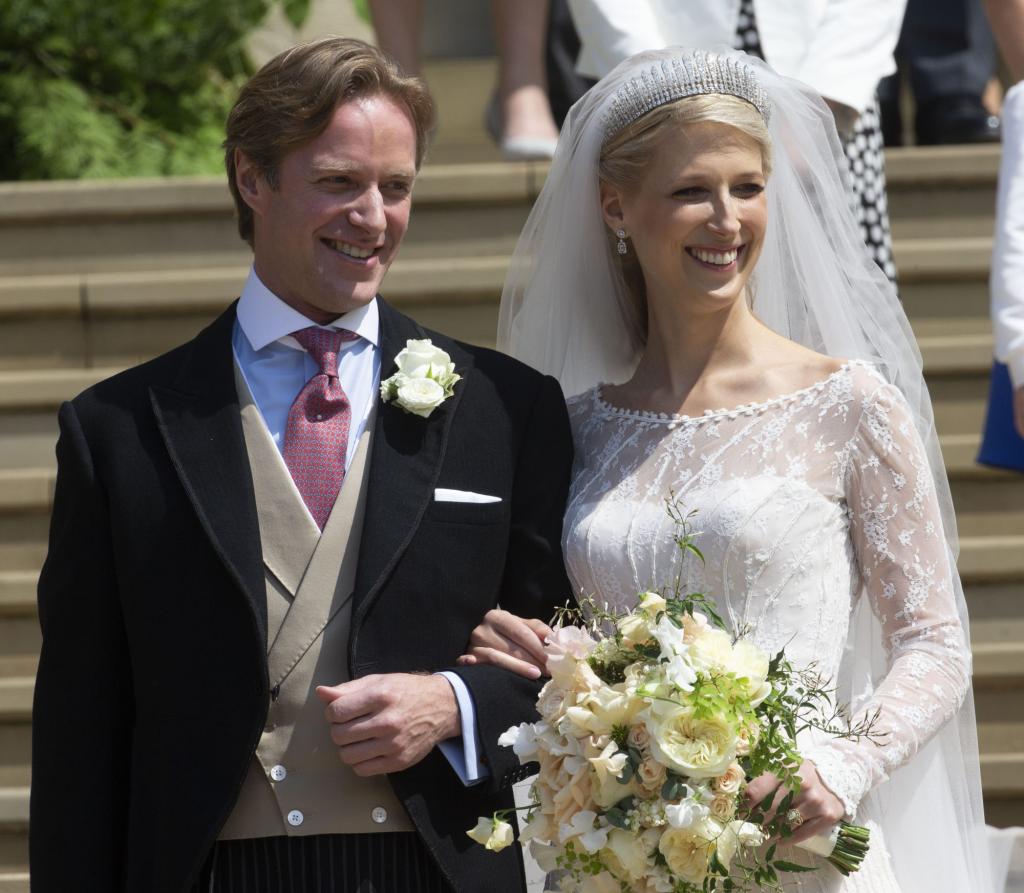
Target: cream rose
[(730, 781), (711, 650), (746, 739), (698, 748), (639, 737), (651, 775), (688, 850), (750, 662), (723, 807)]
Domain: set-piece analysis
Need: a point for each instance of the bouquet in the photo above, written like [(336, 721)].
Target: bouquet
[(651, 725)]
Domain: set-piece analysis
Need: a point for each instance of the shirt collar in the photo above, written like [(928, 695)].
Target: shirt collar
[(264, 318)]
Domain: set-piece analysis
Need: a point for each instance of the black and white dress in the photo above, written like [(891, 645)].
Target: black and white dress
[(863, 153)]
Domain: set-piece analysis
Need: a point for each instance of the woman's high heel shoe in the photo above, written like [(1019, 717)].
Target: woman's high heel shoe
[(516, 148)]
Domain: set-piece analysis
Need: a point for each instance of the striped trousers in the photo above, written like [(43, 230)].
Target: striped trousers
[(326, 863)]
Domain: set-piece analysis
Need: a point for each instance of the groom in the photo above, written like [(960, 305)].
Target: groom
[(257, 568)]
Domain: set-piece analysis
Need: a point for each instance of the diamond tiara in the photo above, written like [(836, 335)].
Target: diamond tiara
[(693, 75)]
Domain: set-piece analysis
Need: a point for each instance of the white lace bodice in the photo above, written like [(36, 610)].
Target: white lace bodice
[(803, 504)]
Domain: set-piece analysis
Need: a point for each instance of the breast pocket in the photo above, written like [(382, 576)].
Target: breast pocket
[(467, 512)]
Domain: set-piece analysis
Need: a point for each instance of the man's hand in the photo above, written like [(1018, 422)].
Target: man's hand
[(386, 723)]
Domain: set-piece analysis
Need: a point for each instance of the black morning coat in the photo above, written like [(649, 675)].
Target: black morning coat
[(152, 689)]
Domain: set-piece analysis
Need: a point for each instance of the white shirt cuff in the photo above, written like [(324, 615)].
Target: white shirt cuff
[(463, 754)]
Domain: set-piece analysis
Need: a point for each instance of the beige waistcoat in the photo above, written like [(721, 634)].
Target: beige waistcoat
[(296, 783)]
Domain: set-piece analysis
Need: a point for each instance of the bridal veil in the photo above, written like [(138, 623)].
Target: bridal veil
[(562, 312)]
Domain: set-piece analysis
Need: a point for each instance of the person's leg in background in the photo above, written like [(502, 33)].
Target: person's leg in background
[(565, 84), (520, 119), (397, 25), (950, 55)]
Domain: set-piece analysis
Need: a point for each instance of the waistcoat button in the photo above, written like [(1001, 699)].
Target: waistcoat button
[(278, 773), (379, 814), (295, 818)]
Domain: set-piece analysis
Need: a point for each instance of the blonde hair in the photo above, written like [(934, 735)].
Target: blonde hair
[(626, 156)]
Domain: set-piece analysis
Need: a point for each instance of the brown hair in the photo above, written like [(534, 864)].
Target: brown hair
[(292, 99), (626, 156)]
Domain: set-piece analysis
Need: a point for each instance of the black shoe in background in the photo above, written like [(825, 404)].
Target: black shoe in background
[(953, 120)]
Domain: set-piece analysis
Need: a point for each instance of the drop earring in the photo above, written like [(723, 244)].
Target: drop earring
[(620, 246)]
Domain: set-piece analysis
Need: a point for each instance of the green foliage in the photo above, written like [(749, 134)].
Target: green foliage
[(121, 88)]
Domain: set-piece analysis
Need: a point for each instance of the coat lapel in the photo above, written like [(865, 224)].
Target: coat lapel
[(405, 463), (199, 419)]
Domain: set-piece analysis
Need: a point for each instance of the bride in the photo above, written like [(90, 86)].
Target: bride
[(693, 275)]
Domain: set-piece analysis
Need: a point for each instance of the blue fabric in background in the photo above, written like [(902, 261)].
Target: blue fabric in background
[(1001, 445)]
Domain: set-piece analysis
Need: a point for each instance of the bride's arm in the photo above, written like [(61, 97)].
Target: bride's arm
[(508, 641), (908, 576)]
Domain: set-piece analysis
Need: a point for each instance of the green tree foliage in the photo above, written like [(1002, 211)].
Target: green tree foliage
[(121, 87)]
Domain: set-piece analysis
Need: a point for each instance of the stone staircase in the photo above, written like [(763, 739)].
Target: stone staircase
[(95, 276)]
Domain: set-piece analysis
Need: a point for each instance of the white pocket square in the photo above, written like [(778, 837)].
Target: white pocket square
[(441, 494)]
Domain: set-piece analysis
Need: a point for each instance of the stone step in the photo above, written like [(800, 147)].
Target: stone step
[(942, 191), (136, 316), (964, 360), (48, 229)]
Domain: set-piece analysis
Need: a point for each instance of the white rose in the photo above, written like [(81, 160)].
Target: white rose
[(419, 358), (420, 396), (750, 662), (698, 748), (711, 650), (493, 833), (688, 850)]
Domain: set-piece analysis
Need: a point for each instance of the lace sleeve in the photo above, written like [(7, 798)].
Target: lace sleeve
[(906, 573)]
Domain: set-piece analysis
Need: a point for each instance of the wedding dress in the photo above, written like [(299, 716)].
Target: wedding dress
[(802, 505), (825, 516)]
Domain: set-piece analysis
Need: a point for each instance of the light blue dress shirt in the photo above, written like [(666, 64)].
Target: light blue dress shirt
[(276, 367)]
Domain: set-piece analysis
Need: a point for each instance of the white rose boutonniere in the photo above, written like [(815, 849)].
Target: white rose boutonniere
[(425, 378)]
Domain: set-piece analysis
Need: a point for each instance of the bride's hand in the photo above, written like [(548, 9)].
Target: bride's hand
[(819, 807), (507, 641)]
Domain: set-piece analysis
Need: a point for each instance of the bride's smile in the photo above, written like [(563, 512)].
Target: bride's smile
[(697, 218)]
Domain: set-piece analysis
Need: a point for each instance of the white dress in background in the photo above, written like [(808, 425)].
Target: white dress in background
[(804, 504)]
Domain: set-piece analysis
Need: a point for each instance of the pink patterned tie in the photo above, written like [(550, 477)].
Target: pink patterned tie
[(316, 437)]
